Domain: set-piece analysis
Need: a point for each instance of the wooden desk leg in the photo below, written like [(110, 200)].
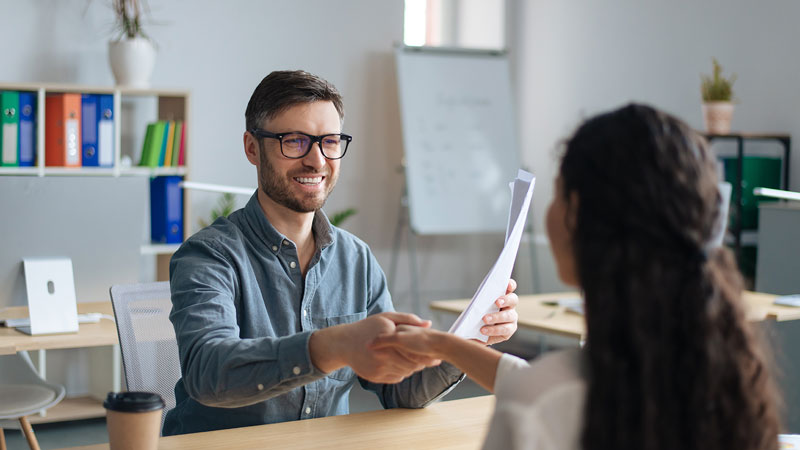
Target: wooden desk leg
[(26, 428), (2, 440)]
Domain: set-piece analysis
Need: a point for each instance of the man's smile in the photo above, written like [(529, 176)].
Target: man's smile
[(312, 181)]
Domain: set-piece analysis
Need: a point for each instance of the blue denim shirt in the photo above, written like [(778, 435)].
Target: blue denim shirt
[(243, 315)]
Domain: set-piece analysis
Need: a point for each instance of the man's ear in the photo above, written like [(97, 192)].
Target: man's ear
[(251, 148), (572, 211)]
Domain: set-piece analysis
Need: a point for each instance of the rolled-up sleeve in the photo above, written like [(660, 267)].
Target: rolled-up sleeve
[(218, 366)]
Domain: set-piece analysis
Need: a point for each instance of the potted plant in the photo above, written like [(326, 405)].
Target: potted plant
[(132, 54), (717, 100)]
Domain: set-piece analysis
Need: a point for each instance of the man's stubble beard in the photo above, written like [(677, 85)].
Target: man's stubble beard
[(277, 188)]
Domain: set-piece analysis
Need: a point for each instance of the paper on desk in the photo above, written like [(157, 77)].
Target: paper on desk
[(789, 441), (469, 323)]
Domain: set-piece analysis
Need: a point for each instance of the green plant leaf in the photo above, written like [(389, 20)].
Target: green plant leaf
[(717, 88), (225, 206), (338, 217)]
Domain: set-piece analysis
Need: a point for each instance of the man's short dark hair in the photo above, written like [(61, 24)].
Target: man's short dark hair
[(283, 89)]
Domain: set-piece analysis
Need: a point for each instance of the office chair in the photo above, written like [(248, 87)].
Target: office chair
[(147, 339), (22, 393)]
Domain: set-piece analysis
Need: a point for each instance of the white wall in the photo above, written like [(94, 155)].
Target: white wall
[(220, 51), (571, 59), (574, 59)]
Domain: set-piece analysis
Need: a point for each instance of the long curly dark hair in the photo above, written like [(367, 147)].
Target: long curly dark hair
[(673, 362)]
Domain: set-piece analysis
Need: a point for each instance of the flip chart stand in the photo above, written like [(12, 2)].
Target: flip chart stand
[(403, 222)]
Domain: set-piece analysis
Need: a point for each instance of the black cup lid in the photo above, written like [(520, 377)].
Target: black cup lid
[(133, 401)]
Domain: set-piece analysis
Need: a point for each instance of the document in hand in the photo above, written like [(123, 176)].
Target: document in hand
[(469, 323)]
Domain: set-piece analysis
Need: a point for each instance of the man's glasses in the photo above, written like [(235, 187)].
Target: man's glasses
[(296, 144)]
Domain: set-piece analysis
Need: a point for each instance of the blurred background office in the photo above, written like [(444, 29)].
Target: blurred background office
[(568, 59)]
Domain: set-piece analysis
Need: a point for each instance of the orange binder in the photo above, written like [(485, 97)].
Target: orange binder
[(62, 130)]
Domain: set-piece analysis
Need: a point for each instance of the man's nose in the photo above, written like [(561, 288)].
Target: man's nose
[(314, 158)]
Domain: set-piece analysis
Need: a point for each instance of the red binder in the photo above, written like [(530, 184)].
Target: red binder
[(62, 130)]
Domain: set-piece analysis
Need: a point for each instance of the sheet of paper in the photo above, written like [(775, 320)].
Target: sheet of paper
[(469, 323), (787, 441)]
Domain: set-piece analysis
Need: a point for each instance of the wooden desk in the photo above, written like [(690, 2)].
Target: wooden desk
[(103, 333), (536, 316), (88, 335), (450, 424)]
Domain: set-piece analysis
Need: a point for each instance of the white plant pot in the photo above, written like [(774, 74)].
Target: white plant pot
[(132, 61), (717, 117)]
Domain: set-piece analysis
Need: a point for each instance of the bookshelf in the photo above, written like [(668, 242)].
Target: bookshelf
[(172, 104), (746, 237)]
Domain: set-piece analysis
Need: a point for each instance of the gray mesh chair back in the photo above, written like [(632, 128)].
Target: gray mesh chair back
[(147, 339)]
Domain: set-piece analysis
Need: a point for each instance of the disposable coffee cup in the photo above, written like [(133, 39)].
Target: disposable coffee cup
[(133, 420)]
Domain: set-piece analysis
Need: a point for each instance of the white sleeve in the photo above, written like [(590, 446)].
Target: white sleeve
[(507, 364)]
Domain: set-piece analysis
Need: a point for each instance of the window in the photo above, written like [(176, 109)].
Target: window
[(455, 23)]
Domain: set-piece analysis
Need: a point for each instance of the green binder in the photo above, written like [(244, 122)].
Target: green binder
[(148, 136), (9, 130), (151, 155), (757, 171)]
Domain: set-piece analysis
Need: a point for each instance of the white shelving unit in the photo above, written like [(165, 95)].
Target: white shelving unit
[(172, 105)]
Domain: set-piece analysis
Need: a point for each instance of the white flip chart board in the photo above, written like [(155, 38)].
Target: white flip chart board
[(459, 137)]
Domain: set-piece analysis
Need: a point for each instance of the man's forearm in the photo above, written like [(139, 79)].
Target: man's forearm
[(232, 372)]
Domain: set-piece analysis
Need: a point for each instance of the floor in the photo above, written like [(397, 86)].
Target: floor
[(87, 432)]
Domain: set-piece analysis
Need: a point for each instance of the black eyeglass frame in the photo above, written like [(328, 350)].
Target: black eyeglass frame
[(259, 133)]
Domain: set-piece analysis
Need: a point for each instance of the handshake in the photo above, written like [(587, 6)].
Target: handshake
[(390, 346)]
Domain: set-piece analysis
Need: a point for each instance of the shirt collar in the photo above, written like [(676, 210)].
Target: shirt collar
[(321, 226)]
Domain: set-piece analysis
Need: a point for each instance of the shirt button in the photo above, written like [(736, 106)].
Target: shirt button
[(292, 264), (296, 370), (308, 410), (274, 248), (260, 387), (286, 242), (305, 313)]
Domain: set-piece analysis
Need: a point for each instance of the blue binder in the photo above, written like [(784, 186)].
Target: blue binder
[(166, 210), (105, 130), (89, 130), (27, 129)]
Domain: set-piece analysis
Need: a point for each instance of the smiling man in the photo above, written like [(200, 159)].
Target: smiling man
[(273, 307)]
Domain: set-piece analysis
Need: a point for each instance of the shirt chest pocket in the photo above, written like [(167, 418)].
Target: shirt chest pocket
[(345, 373)]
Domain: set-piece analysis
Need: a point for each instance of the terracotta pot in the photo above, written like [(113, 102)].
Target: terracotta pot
[(132, 61), (717, 117)]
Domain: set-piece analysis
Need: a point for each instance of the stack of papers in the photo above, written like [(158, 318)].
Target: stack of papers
[(469, 323)]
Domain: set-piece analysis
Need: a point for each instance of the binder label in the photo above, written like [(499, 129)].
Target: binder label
[(26, 145), (9, 143), (105, 142), (73, 152)]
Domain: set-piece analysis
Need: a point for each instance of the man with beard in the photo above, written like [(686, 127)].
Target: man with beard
[(273, 307)]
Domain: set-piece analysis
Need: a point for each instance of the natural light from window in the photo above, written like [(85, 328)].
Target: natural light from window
[(415, 21), (478, 24)]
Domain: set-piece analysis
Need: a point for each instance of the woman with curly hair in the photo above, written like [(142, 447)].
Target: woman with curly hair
[(670, 361)]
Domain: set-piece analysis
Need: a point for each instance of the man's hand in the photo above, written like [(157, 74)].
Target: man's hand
[(348, 345), (502, 324), (416, 341)]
